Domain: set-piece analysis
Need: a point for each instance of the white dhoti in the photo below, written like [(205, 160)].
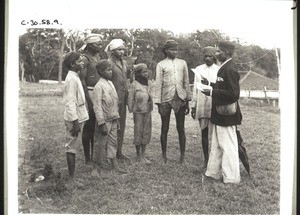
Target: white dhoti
[(224, 157), (206, 123)]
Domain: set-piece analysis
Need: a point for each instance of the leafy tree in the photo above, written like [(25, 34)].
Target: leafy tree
[(70, 41), (207, 38), (42, 50), (26, 61), (43, 45), (148, 46), (265, 60), (61, 54)]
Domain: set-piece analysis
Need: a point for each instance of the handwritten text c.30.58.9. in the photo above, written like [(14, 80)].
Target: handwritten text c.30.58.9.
[(42, 22)]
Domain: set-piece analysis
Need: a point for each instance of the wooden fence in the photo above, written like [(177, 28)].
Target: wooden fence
[(260, 94), (271, 96)]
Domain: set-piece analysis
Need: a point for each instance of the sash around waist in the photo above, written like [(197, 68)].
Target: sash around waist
[(90, 88)]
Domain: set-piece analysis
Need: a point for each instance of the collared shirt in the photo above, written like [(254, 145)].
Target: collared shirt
[(105, 101), (225, 62), (171, 77), (200, 101), (74, 99), (210, 93)]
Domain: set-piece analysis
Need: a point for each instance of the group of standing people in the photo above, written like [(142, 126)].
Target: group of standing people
[(96, 94)]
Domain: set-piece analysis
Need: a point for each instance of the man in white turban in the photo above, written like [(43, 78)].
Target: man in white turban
[(114, 44), (121, 72), (93, 40)]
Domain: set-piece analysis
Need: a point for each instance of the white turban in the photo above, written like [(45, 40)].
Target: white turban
[(92, 38), (114, 44)]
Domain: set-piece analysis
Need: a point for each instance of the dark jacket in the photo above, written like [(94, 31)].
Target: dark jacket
[(119, 79), (226, 91), (92, 76)]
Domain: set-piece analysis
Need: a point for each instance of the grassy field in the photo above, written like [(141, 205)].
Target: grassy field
[(147, 189)]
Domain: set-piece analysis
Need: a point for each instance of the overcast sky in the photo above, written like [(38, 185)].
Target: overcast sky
[(259, 22)]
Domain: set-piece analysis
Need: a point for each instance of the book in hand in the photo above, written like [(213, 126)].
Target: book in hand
[(203, 87)]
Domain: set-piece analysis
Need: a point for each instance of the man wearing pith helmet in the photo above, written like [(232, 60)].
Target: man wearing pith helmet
[(89, 77), (225, 116), (121, 73)]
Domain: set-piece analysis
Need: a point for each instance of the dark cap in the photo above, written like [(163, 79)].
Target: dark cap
[(226, 45), (170, 44)]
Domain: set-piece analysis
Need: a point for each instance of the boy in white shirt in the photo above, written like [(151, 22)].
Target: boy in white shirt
[(75, 111)]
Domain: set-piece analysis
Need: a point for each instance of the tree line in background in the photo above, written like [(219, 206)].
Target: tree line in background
[(41, 51)]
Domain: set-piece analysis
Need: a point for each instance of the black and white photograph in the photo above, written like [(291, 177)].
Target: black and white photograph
[(155, 107)]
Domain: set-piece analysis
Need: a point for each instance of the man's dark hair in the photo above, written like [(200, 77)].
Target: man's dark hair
[(102, 65), (70, 58), (227, 47), (229, 52)]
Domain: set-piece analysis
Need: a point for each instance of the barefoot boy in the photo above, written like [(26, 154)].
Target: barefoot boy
[(75, 111), (107, 115), (140, 104)]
